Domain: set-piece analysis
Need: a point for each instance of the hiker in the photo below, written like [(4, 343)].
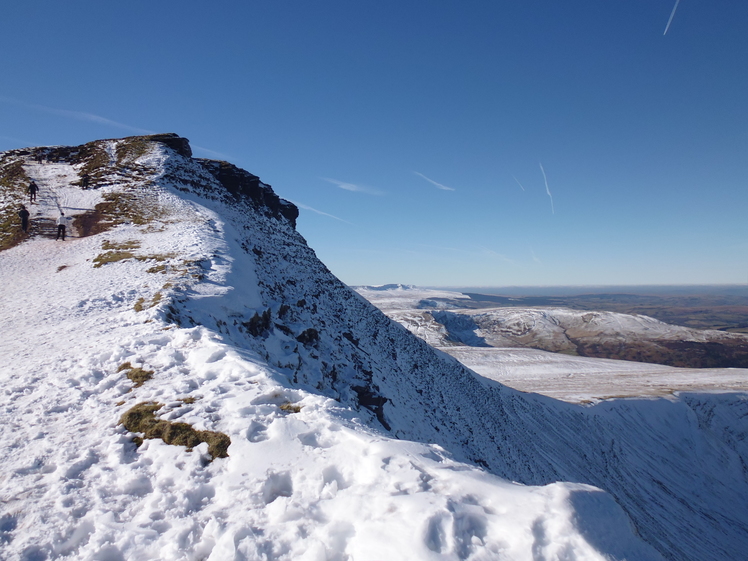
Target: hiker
[(85, 180), (33, 190), (24, 216), (62, 222)]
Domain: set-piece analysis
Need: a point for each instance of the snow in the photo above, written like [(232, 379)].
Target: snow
[(582, 379), (323, 483), (403, 297), (494, 352)]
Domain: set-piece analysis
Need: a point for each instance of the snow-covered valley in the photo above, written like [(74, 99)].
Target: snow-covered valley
[(350, 438), (535, 349)]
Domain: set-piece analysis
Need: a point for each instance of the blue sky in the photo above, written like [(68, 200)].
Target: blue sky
[(414, 134)]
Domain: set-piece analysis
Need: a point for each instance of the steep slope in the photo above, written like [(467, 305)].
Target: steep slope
[(192, 270)]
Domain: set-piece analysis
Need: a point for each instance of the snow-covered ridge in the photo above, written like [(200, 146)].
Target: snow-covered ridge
[(350, 437)]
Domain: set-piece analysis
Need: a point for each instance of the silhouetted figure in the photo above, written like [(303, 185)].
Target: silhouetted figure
[(85, 180), (33, 190), (62, 222), (23, 214)]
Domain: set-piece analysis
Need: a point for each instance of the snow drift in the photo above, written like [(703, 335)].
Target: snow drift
[(350, 437)]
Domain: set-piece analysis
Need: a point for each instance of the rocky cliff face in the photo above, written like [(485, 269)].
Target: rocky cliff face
[(677, 468)]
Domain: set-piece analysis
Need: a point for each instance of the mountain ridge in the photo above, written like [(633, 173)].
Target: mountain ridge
[(236, 285)]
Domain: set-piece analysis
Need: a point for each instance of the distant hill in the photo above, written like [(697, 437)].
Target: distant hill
[(722, 308)]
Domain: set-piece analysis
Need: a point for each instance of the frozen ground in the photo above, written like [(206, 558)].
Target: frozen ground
[(305, 478), (581, 379), (558, 375)]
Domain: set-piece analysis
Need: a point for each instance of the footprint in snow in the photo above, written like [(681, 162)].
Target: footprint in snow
[(257, 432), (314, 440), (277, 485)]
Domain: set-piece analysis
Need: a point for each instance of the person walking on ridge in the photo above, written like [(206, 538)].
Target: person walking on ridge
[(23, 214), (62, 222), (33, 190)]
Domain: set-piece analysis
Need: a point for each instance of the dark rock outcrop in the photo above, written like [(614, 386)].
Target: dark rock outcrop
[(242, 184), (177, 143)]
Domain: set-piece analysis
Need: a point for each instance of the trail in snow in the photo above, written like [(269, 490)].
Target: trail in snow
[(350, 438), (309, 482)]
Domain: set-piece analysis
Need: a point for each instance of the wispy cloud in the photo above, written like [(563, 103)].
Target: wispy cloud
[(439, 247), (518, 183), (353, 187), (305, 207), (475, 252), (672, 14), (496, 254), (211, 153), (438, 185), (77, 115), (547, 190), (18, 141), (535, 257), (93, 118)]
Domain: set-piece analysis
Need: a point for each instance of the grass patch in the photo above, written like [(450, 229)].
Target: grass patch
[(118, 208), (13, 184), (123, 251), (142, 419), (157, 269), (111, 257), (158, 257), (140, 305), (136, 374), (115, 252), (95, 163), (131, 149), (289, 407), (130, 244)]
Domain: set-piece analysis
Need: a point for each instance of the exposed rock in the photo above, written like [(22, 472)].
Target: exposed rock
[(177, 143), (242, 184)]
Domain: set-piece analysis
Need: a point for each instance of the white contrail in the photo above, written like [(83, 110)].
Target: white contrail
[(439, 185), (671, 16), (78, 115), (518, 183), (353, 187), (211, 152), (18, 141), (496, 254), (83, 116), (547, 190), (535, 257), (305, 207)]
